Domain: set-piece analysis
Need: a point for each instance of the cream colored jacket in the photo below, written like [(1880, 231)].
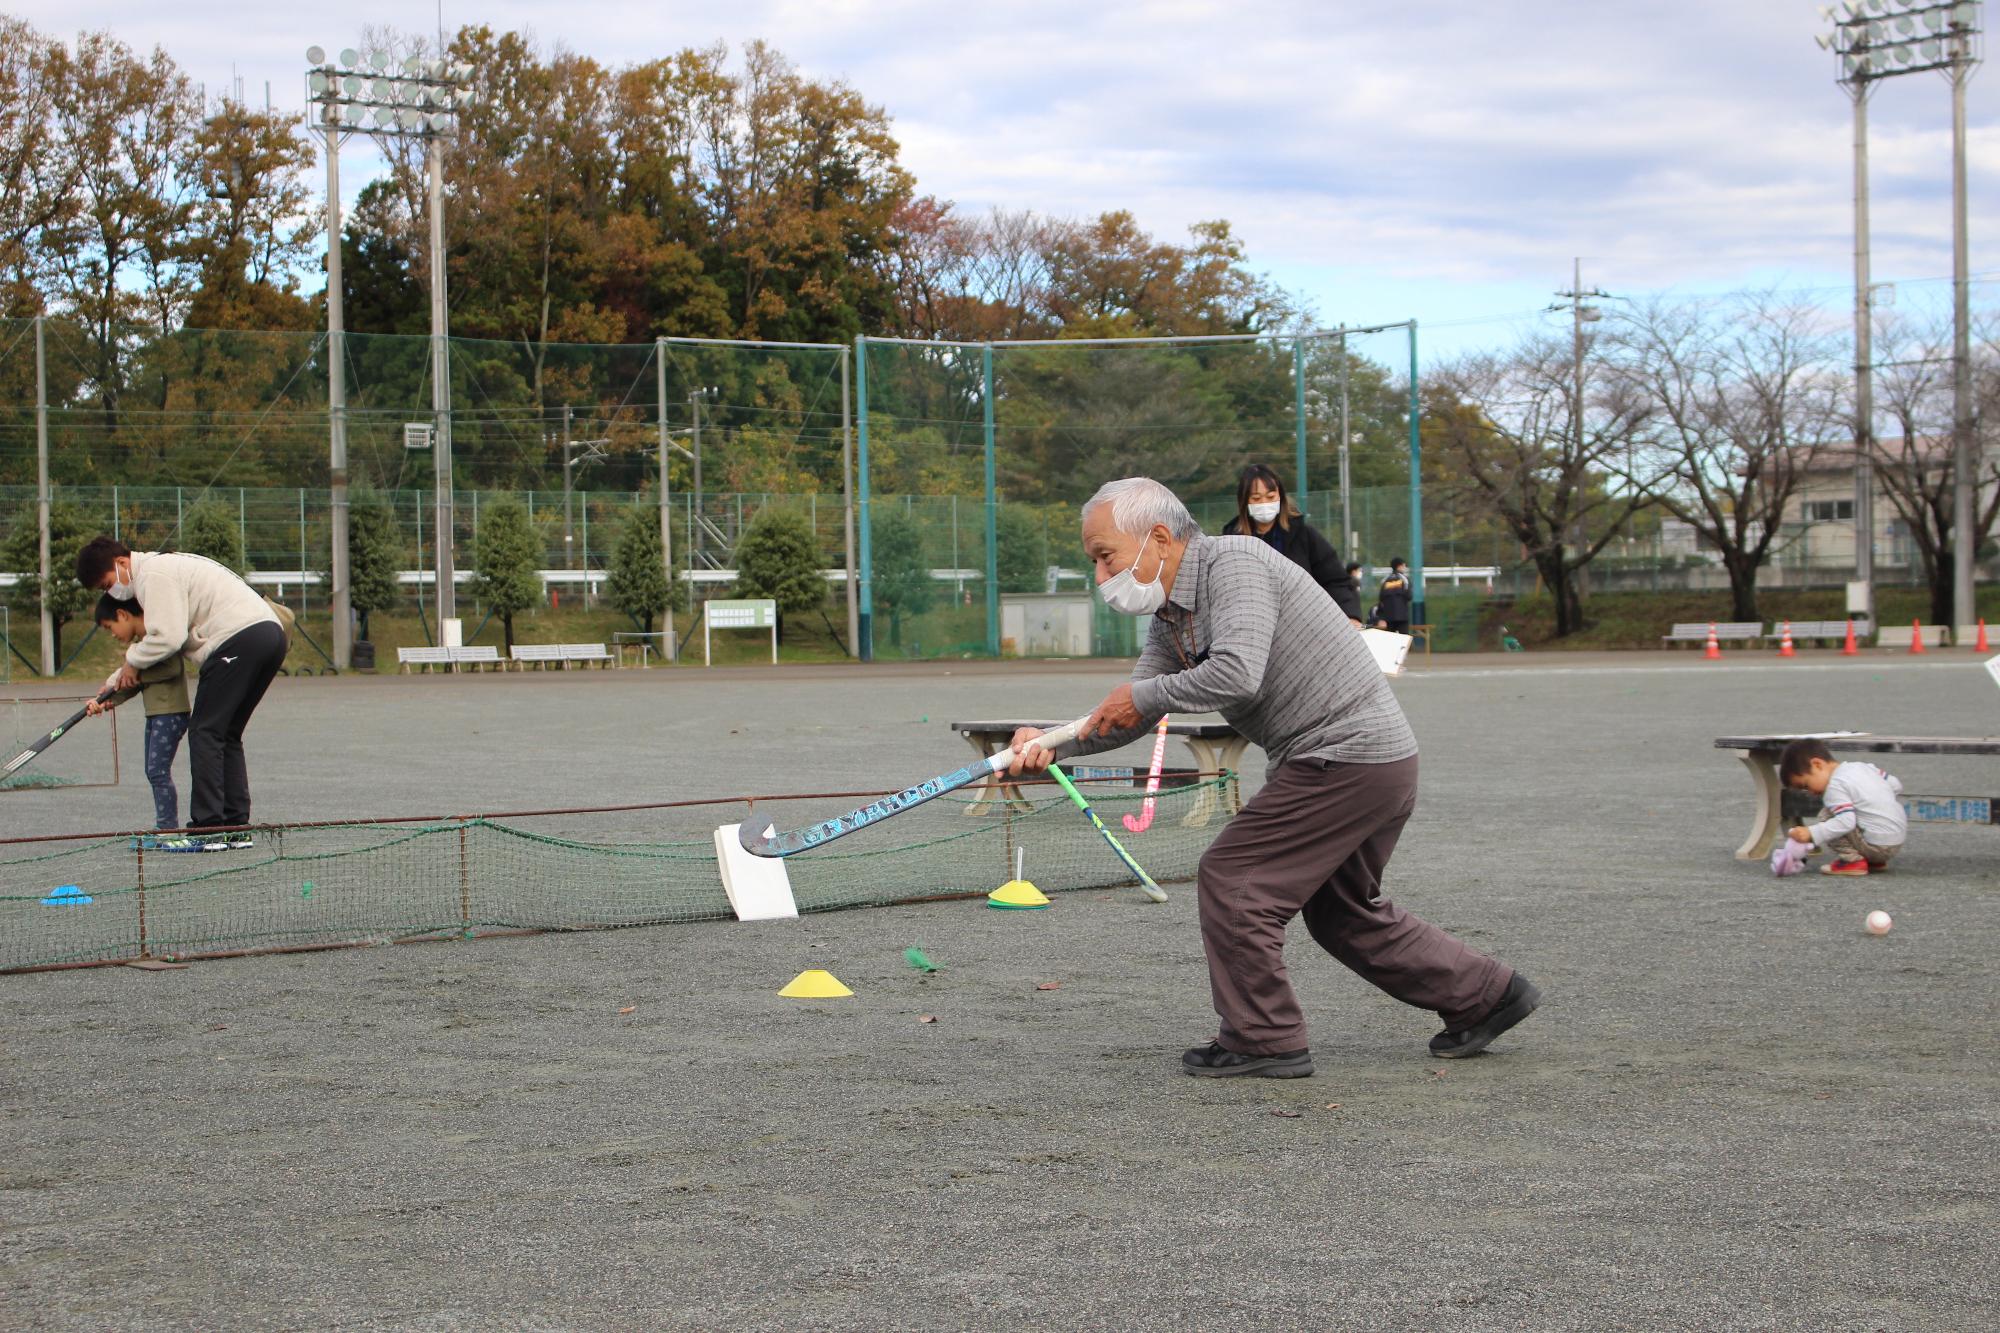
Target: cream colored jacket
[(191, 604)]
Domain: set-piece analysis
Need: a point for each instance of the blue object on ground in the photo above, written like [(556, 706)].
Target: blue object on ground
[(68, 895)]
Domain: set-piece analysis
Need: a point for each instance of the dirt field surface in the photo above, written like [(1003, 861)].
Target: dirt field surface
[(1735, 1110)]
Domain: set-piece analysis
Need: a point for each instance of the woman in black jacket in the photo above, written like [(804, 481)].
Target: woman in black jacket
[(1263, 510)]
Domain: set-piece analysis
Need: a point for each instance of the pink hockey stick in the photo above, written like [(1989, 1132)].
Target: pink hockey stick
[(1145, 819)]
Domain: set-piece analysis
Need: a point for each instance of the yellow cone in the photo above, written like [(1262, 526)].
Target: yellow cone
[(1017, 895), (815, 984)]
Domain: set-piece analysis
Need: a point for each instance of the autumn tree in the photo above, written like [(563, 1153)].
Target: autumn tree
[(1541, 457), (1740, 398), (118, 256), (1913, 464)]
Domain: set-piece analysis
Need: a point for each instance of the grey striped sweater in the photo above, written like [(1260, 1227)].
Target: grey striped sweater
[(1247, 634)]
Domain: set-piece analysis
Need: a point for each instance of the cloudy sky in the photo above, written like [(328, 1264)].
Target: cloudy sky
[(1383, 160)]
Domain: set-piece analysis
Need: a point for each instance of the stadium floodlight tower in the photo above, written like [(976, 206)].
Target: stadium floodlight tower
[(414, 98), (1876, 40)]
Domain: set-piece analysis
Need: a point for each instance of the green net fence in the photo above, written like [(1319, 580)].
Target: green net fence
[(106, 898), (90, 758), (145, 429), (978, 457)]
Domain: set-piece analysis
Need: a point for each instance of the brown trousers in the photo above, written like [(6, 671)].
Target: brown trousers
[(1315, 841)]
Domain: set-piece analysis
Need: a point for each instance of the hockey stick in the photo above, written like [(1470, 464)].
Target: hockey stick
[(53, 736), (765, 840), (1145, 819), (1146, 885)]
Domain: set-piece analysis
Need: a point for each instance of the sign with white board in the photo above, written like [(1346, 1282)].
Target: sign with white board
[(756, 613)]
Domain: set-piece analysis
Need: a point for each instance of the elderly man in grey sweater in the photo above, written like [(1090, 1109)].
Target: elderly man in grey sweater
[(1240, 630)]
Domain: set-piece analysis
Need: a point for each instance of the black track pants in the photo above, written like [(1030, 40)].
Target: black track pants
[(233, 680)]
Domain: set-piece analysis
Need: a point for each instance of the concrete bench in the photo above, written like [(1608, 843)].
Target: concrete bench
[(1217, 748), (587, 653), (1767, 823), (423, 658), (477, 658), (1728, 631), (1901, 636), (537, 655), (1807, 631)]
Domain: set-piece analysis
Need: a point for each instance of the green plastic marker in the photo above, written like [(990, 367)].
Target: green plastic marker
[(1151, 890)]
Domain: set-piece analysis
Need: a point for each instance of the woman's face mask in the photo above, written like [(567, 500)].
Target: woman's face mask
[(1264, 513), (1123, 592)]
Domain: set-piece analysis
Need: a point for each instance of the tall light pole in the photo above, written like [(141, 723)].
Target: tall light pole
[(1876, 40), (417, 99)]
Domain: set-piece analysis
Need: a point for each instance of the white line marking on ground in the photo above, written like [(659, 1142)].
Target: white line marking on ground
[(1729, 669)]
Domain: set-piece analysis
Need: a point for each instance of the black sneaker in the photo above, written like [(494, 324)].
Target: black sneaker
[(1212, 1061), (1518, 1001), (240, 841)]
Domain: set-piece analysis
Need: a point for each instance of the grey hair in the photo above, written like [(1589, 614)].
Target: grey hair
[(1138, 504)]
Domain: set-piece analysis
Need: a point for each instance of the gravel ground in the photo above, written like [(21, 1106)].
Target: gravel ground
[(1736, 1109)]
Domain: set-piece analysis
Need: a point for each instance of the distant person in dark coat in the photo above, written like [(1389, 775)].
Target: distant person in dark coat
[(1264, 511), (1394, 597)]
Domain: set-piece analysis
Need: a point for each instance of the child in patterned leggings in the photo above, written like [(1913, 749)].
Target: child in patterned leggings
[(166, 692)]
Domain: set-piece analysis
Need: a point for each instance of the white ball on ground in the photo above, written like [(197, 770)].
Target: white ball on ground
[(1879, 923)]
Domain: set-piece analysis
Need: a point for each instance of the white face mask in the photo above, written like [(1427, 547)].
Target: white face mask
[(1264, 513), (1123, 592), (120, 589)]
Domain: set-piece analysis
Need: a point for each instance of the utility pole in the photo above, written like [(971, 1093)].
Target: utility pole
[(1875, 40), (42, 503), (847, 503), (339, 605), (1965, 489), (1580, 314), (447, 592), (569, 539), (666, 513), (1346, 502)]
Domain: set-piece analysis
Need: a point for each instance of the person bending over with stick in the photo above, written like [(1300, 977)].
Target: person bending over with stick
[(1240, 630), (204, 610)]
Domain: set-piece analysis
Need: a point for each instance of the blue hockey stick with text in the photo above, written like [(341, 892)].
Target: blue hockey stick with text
[(761, 838)]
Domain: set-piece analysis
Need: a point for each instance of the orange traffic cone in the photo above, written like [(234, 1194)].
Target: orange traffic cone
[(1785, 642), (1714, 650), (1848, 649), (1981, 645), (1916, 637)]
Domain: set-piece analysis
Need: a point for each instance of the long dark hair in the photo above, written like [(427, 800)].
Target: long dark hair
[(1250, 476)]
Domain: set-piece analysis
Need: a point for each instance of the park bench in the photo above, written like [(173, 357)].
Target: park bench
[(587, 653), (537, 655), (1760, 756), (1901, 636), (1216, 746), (423, 658), (476, 659), (1728, 631)]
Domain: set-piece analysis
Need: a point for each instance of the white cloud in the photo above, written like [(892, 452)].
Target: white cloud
[(1464, 151)]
